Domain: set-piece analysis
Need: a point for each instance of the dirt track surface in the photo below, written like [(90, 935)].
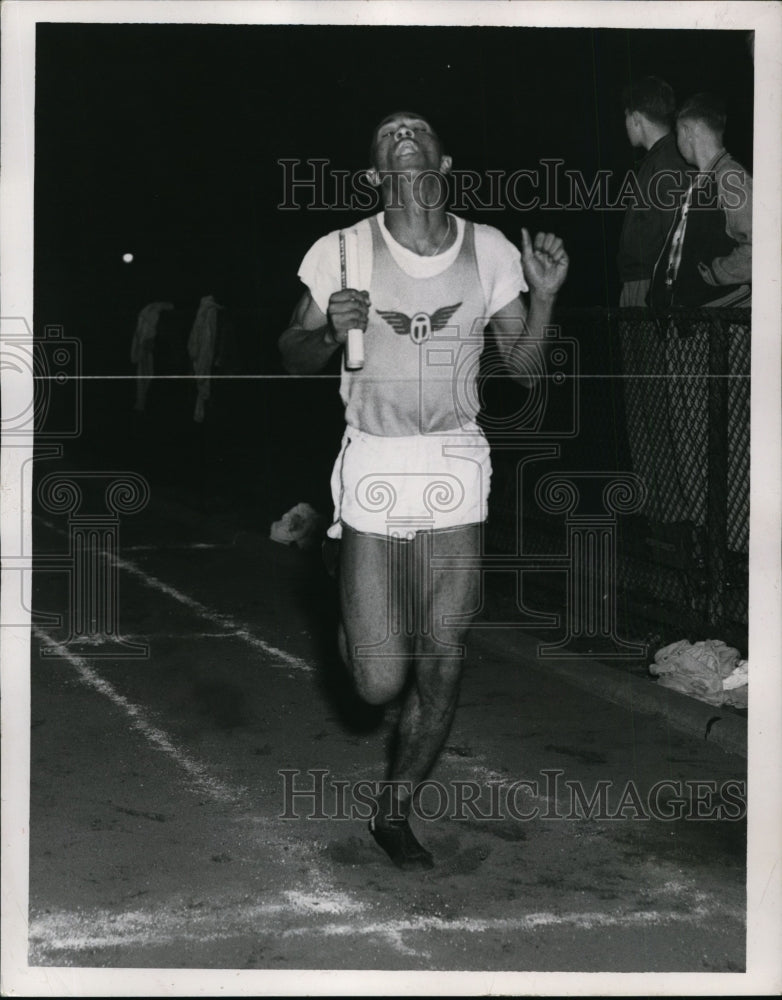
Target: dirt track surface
[(157, 837)]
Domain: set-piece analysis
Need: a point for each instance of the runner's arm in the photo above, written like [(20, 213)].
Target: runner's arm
[(520, 335), (312, 337)]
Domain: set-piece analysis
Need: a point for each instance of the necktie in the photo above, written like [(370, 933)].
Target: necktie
[(677, 243)]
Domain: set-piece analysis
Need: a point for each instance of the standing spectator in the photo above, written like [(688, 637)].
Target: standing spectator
[(706, 262), (649, 106), (707, 256)]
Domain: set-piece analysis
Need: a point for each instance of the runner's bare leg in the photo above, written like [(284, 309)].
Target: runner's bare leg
[(393, 606), (432, 697)]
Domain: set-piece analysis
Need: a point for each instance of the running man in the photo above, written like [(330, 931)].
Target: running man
[(411, 481)]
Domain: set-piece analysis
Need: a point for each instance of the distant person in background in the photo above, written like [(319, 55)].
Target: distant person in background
[(142, 350), (201, 348), (707, 256), (649, 106)]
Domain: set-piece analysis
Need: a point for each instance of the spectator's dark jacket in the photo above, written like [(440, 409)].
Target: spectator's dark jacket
[(662, 179)]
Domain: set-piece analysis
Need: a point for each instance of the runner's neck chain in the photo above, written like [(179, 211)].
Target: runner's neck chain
[(442, 241)]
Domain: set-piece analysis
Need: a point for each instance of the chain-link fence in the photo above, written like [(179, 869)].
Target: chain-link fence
[(668, 400), (624, 400)]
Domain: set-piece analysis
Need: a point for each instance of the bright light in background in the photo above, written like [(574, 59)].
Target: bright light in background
[(128, 258)]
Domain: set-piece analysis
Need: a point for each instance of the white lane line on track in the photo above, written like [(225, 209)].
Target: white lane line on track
[(82, 930), (238, 629), (393, 930), (197, 773), (172, 636), (185, 547)]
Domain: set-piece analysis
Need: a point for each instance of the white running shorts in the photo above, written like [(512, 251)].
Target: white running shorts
[(400, 485)]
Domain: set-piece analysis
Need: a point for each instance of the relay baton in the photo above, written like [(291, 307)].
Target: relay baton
[(348, 267)]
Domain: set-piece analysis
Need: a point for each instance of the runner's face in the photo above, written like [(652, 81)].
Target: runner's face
[(404, 140)]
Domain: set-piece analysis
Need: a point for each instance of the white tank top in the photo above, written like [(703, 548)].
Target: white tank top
[(421, 347)]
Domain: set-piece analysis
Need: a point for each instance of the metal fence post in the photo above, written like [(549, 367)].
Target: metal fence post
[(717, 486)]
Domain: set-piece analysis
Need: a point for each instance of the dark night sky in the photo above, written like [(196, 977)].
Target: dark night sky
[(164, 140)]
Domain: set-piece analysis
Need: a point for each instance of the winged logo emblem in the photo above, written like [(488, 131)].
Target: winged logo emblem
[(420, 325)]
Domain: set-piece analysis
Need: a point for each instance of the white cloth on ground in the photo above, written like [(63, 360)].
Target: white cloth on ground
[(700, 669)]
